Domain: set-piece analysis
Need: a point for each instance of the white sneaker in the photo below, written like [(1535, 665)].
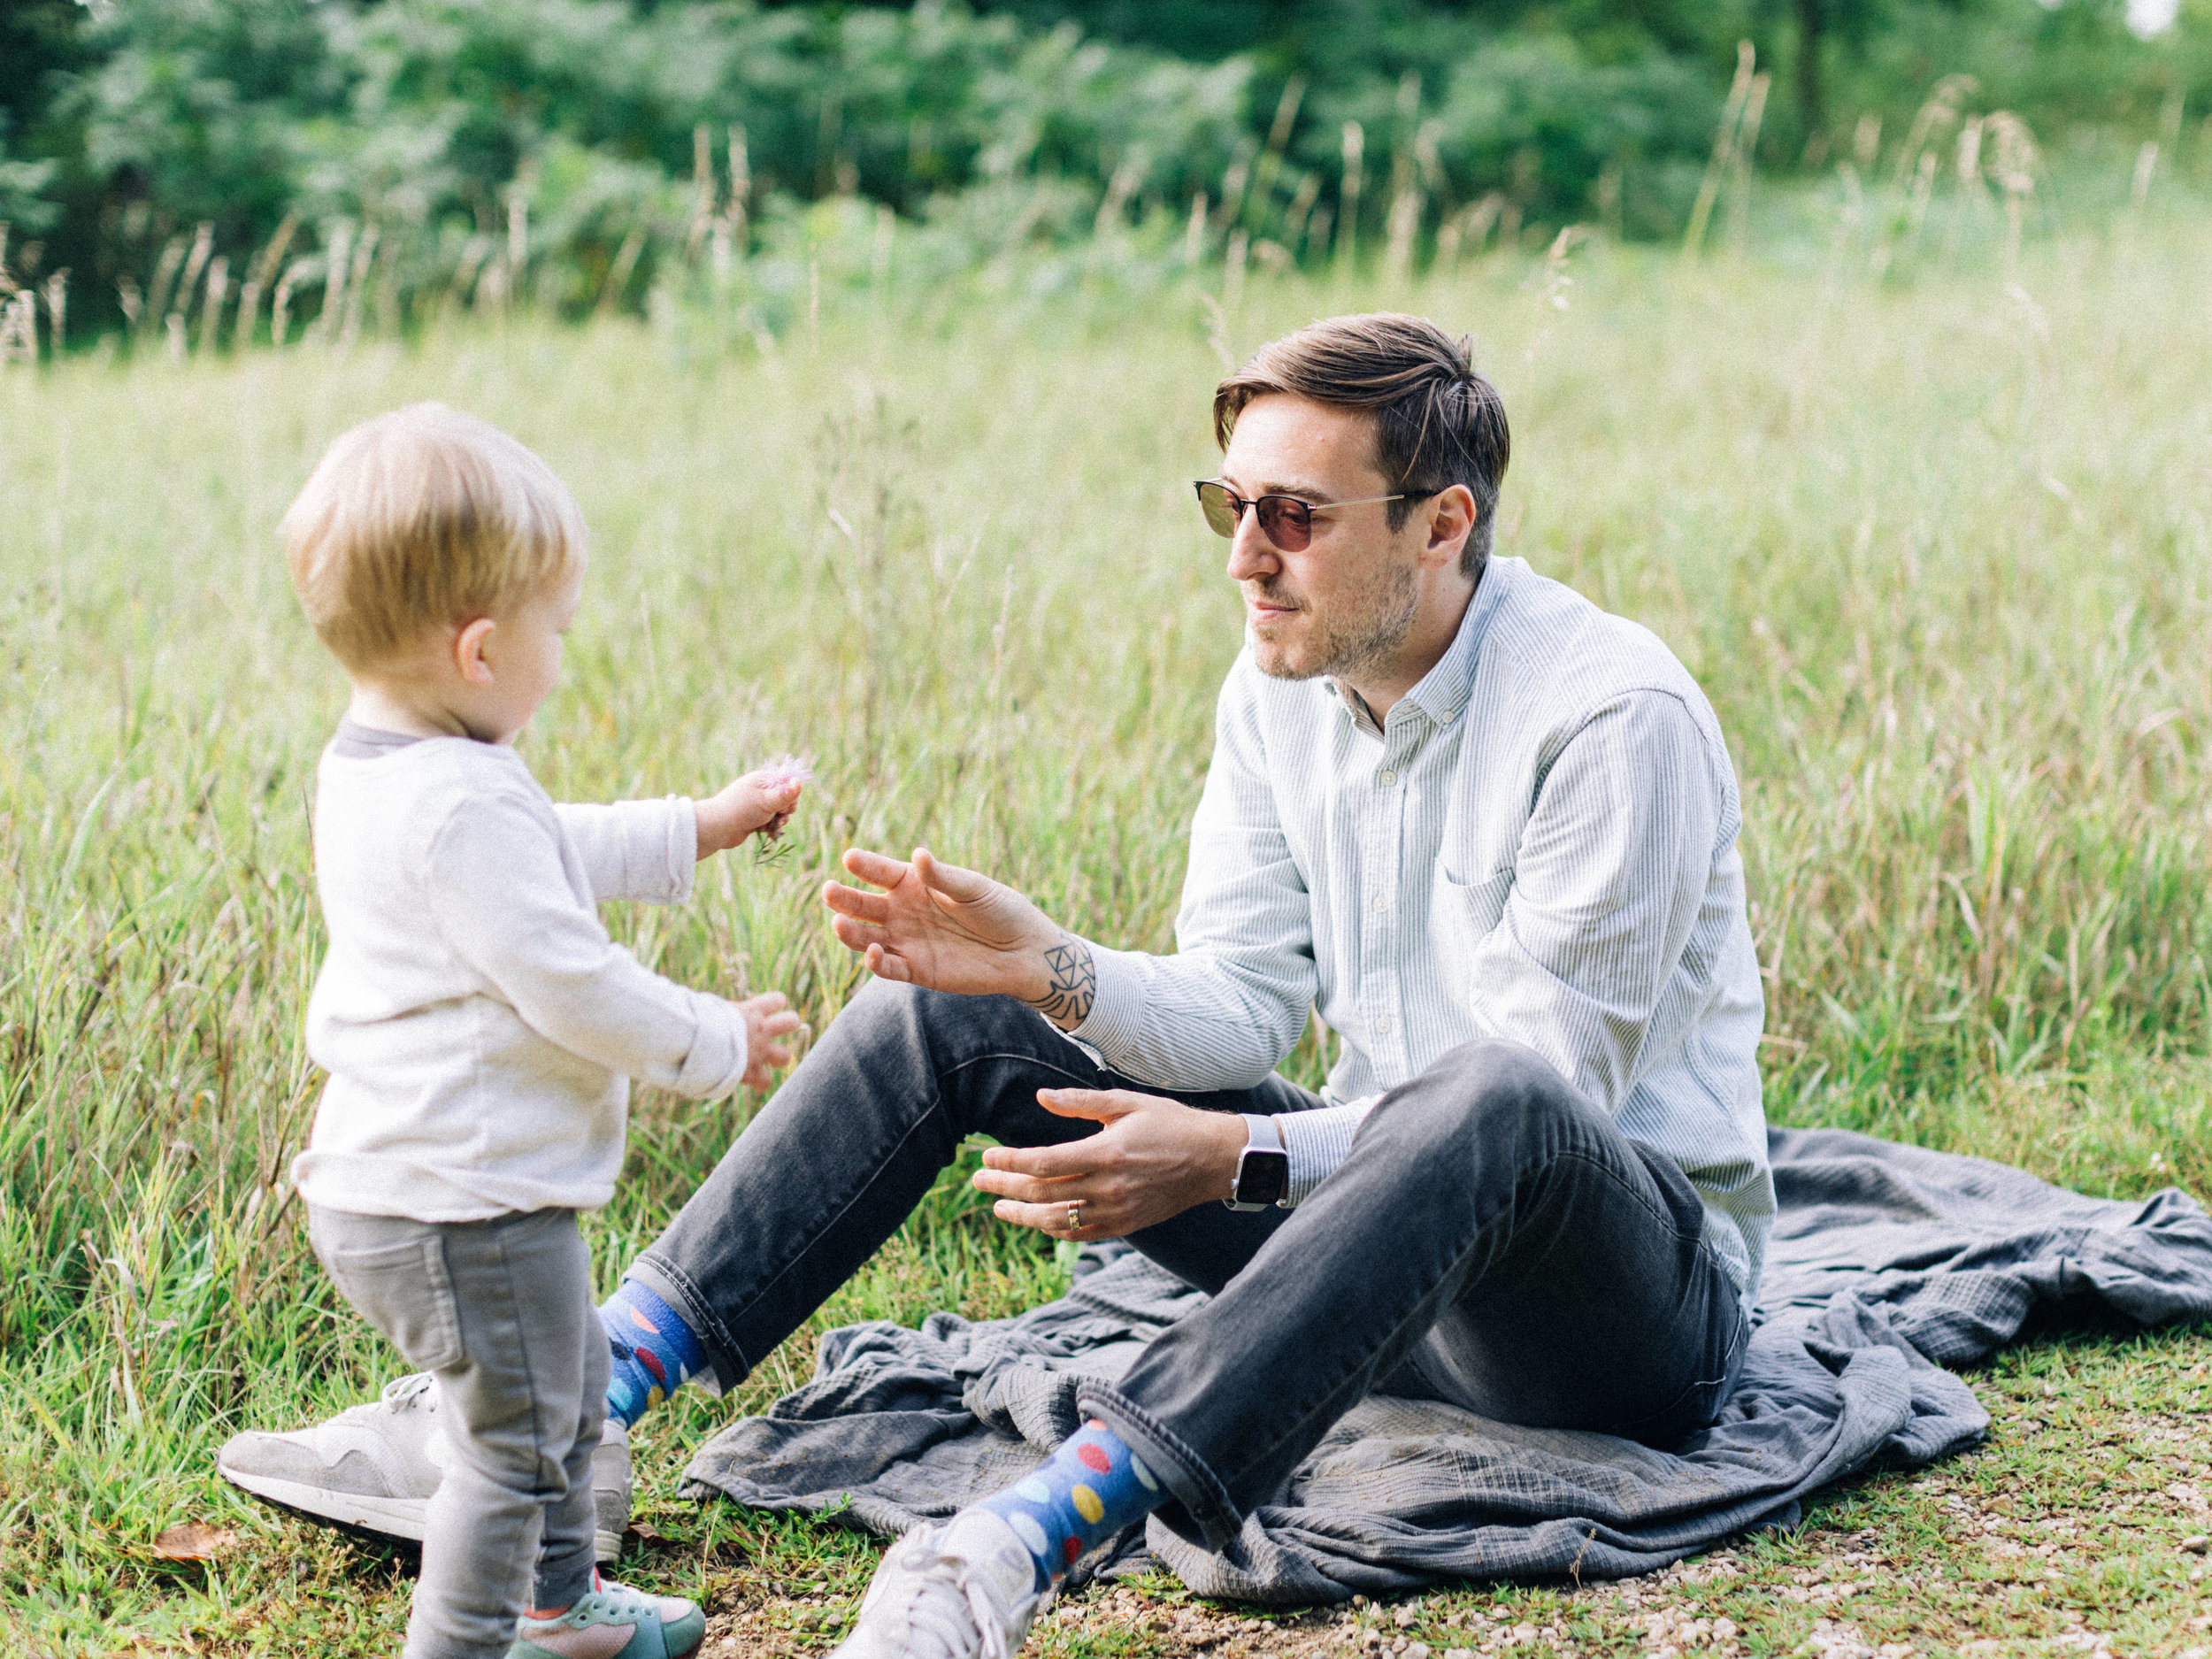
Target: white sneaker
[(965, 1590), (371, 1468)]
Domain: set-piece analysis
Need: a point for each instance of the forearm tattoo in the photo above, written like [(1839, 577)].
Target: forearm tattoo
[(1074, 987)]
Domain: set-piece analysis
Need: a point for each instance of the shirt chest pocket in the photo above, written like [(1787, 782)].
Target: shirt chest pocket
[(1467, 912)]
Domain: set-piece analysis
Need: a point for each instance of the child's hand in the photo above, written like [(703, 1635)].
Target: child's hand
[(760, 800), (768, 1019)]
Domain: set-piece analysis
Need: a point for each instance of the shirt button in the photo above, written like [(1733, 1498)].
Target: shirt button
[(1388, 778), (1382, 901), (1382, 1025)]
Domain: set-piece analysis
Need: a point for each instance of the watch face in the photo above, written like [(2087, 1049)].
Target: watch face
[(1262, 1176)]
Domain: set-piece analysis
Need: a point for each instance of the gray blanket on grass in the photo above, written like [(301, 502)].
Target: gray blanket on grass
[(1888, 1263)]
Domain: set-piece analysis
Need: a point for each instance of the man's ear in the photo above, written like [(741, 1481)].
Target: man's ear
[(468, 651), (1451, 521)]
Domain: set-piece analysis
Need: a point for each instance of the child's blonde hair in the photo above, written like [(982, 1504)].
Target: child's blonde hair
[(422, 519)]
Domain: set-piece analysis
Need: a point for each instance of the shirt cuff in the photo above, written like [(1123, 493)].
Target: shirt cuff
[(716, 1064), (1110, 1030), (1318, 1142), (682, 847)]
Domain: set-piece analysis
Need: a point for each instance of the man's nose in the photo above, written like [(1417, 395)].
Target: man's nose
[(1250, 552)]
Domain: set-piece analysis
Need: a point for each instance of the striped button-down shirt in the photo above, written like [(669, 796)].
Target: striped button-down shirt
[(1539, 843)]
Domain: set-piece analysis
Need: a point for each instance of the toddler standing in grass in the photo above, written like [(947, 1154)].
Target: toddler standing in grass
[(477, 1024)]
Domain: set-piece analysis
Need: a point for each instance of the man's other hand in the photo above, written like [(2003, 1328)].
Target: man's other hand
[(1154, 1158), (948, 929)]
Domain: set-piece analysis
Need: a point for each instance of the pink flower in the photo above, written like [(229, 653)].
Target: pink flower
[(783, 772)]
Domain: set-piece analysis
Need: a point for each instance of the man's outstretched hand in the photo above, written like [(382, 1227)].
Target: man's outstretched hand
[(948, 929)]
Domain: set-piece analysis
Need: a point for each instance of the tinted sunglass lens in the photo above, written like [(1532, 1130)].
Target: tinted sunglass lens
[(1214, 502), (1283, 522)]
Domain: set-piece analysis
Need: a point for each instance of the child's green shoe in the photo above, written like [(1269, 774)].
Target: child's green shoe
[(614, 1622)]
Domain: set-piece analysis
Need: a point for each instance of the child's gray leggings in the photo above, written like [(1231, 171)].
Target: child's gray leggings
[(501, 1312)]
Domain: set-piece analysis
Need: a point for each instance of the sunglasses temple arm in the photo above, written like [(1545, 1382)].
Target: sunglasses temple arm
[(1364, 501)]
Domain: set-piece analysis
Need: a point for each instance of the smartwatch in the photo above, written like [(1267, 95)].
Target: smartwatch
[(1262, 1167)]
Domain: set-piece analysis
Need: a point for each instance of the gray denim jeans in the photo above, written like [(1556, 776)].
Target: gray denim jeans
[(1493, 1240), (501, 1313)]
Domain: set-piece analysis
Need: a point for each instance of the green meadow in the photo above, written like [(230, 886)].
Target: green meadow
[(1936, 537)]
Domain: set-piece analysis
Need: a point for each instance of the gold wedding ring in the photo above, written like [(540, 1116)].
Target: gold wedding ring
[(1075, 1216)]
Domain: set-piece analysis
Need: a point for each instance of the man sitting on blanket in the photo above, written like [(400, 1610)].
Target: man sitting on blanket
[(1490, 833)]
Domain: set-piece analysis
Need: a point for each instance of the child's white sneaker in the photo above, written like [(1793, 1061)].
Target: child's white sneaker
[(965, 1590), (614, 1622)]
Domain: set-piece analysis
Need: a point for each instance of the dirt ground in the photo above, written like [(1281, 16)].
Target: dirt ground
[(1667, 1616), (1884, 1591)]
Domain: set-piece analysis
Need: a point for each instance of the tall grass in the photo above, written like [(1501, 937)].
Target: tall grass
[(1937, 550)]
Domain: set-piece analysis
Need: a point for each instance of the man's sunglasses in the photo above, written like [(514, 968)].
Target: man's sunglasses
[(1285, 520)]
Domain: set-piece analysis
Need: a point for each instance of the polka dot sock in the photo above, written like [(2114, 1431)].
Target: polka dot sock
[(655, 1352), (1084, 1494)]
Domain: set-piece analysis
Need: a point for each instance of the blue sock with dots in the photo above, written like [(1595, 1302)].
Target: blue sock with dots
[(1080, 1496), (655, 1352)]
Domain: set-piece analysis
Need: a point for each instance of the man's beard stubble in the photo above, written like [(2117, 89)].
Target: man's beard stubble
[(1349, 642)]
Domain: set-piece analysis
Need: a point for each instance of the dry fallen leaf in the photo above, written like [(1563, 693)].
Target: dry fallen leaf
[(194, 1541)]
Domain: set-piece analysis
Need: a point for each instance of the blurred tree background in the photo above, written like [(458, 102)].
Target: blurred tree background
[(203, 167)]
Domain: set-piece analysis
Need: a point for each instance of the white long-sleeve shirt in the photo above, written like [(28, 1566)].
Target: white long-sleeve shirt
[(479, 1025), (1539, 844)]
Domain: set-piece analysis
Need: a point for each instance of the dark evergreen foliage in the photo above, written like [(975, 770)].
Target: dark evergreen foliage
[(126, 127)]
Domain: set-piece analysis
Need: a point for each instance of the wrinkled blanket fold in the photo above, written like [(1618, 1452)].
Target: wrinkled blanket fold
[(1888, 1263)]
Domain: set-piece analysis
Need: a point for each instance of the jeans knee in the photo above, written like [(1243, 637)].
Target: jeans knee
[(885, 1009), (942, 1029), (1489, 1094), (884, 1002), (886, 1025)]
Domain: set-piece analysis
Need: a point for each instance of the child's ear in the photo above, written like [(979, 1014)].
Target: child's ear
[(468, 651)]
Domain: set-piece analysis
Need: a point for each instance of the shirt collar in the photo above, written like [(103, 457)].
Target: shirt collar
[(1442, 693)]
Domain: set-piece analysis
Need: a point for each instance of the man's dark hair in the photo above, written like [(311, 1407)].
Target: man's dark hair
[(1437, 422)]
